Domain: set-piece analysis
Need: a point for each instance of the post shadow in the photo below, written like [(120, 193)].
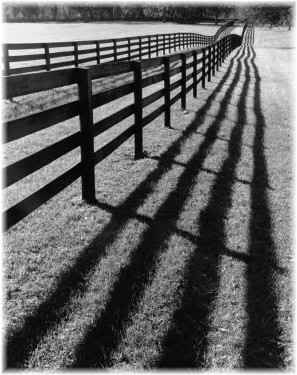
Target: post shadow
[(21, 343), (185, 344), (103, 338), (262, 349)]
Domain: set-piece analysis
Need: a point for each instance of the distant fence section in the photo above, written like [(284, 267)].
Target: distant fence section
[(32, 57), (180, 74)]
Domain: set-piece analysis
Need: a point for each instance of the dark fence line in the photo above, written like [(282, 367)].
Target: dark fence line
[(202, 64), (47, 56)]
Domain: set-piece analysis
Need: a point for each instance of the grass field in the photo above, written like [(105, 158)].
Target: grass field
[(185, 260), (59, 32)]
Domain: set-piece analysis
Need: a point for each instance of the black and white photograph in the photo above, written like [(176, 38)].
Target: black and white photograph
[(148, 185)]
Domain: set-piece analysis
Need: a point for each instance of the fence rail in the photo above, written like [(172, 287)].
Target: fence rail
[(32, 57), (190, 69)]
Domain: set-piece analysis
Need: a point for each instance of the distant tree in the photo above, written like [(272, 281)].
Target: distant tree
[(273, 14), (288, 17), (178, 12), (289, 20)]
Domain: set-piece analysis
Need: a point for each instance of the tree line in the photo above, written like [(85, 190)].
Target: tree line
[(191, 13)]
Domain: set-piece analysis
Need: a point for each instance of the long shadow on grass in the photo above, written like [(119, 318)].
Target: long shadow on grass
[(263, 332), (186, 343), (72, 282), (103, 338)]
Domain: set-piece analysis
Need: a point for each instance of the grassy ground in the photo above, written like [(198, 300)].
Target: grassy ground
[(58, 32), (185, 260)]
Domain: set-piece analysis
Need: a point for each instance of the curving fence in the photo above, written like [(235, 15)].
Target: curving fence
[(180, 74), (32, 57)]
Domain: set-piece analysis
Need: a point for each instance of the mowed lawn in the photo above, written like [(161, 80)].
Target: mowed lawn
[(63, 32), (185, 260)]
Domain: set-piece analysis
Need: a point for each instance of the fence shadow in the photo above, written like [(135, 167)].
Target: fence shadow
[(22, 342), (186, 343), (103, 338), (262, 348)]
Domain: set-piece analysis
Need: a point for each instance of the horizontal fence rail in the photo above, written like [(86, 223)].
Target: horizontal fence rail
[(178, 74), (22, 58)]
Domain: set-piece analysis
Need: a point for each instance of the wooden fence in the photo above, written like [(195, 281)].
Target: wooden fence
[(32, 57), (202, 64)]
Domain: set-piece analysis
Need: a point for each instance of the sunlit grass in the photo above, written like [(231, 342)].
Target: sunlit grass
[(146, 266)]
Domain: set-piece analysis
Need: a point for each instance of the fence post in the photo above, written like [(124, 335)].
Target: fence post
[(164, 50), (98, 52), (6, 60), (214, 60), (209, 64), (179, 41), (195, 74), (149, 46), (157, 45), (226, 47), (129, 49), (218, 55), (203, 68), (166, 62), (75, 44), (139, 46), (87, 139), (47, 57), (114, 49), (138, 139), (184, 82), (223, 49)]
